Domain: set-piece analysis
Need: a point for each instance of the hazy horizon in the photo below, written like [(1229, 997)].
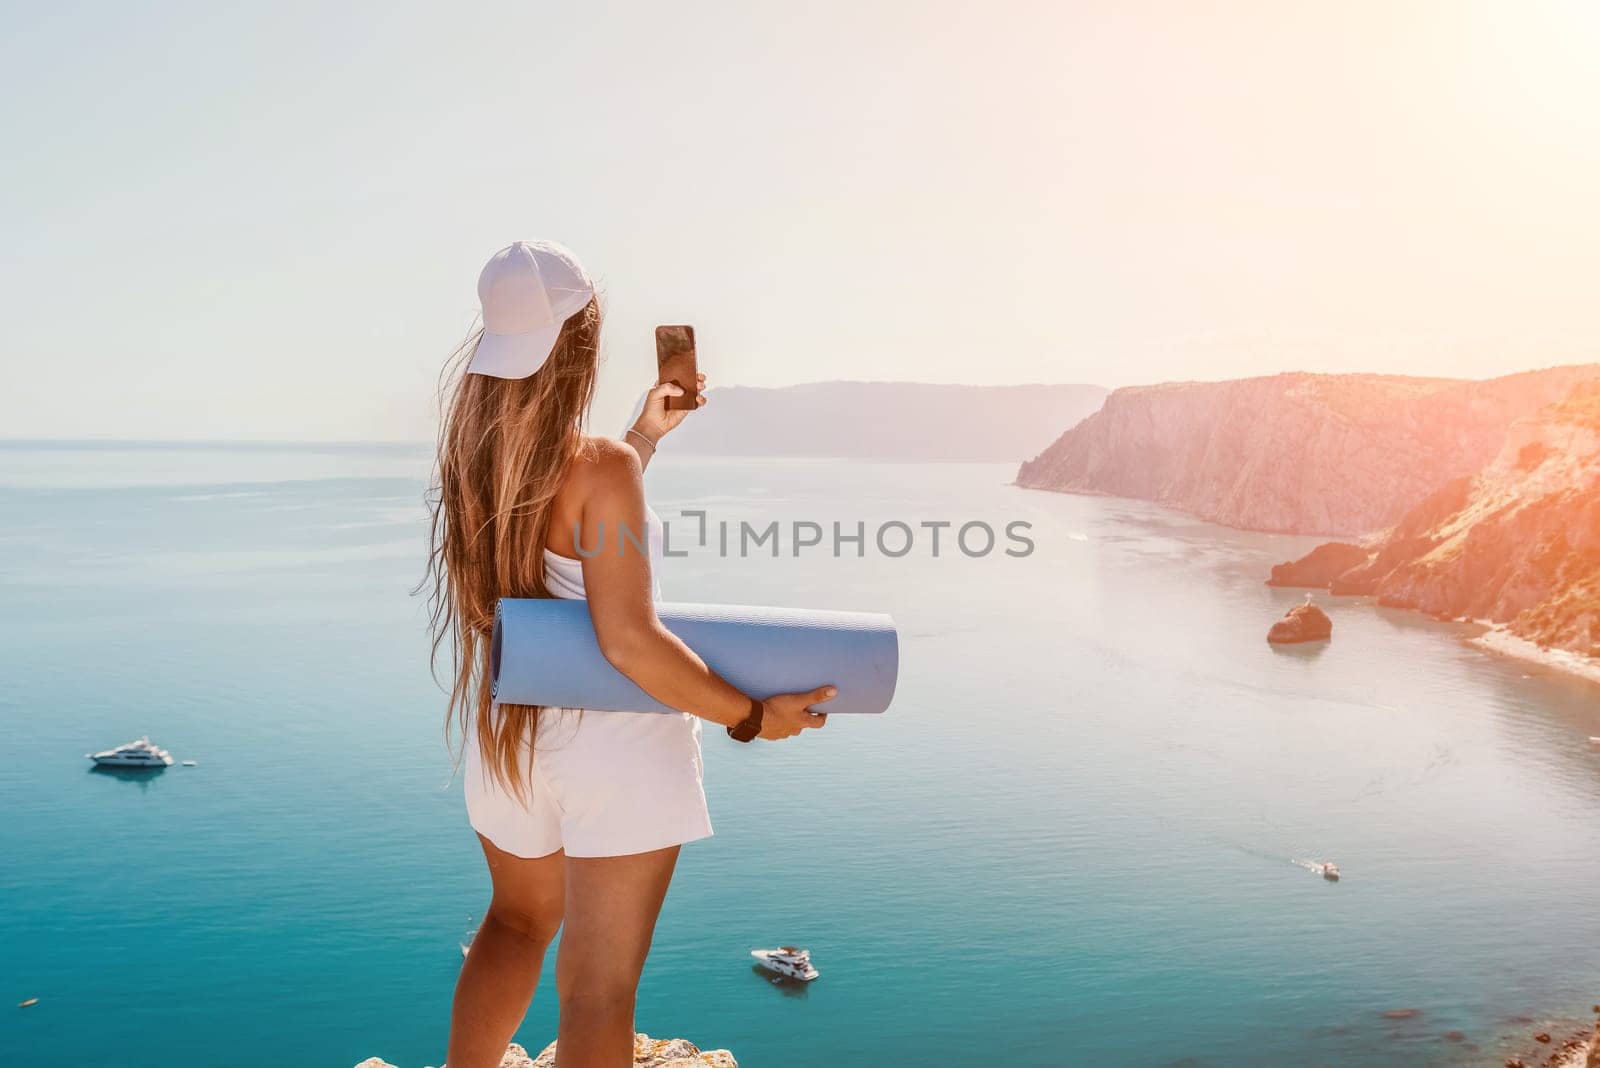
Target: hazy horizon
[(268, 222), (597, 428)]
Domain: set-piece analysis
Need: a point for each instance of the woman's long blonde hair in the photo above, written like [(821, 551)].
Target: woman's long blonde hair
[(505, 445)]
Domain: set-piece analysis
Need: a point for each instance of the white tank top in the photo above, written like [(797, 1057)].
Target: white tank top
[(563, 575)]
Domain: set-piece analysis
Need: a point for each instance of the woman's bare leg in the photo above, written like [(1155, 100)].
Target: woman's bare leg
[(612, 904), (501, 970)]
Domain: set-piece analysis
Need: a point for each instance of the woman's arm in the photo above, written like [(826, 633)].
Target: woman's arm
[(617, 582), (656, 419)]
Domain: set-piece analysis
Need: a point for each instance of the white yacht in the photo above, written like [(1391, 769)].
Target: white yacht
[(139, 754), (787, 961)]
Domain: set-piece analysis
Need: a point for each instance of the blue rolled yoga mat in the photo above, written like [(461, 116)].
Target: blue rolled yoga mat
[(544, 652)]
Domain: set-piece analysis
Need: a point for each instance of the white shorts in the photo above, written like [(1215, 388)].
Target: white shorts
[(605, 784)]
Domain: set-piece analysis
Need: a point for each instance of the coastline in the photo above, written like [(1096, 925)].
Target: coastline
[(1497, 639), (1581, 1050)]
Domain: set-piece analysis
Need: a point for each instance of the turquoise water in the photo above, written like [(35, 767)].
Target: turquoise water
[(1070, 842)]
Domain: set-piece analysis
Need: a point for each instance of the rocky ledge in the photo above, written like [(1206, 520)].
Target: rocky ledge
[(647, 1053), (1304, 623), (1580, 1049)]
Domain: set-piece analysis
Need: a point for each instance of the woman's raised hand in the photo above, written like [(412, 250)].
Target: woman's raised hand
[(657, 419), (787, 714)]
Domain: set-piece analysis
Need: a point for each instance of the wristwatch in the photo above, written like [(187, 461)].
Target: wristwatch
[(747, 729)]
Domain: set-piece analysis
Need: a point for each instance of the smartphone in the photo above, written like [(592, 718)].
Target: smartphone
[(675, 360)]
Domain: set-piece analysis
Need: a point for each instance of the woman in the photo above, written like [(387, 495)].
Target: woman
[(580, 813)]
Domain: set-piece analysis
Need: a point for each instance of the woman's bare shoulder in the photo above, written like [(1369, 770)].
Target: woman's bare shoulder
[(605, 466)]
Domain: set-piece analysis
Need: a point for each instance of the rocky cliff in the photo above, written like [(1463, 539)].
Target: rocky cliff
[(1300, 453), (1516, 544), (885, 420)]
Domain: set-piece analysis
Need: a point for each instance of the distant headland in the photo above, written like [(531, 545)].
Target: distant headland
[(1294, 453), (901, 421), (1516, 545)]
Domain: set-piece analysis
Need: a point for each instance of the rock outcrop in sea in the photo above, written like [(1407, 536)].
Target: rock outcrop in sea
[(647, 1053), (1295, 453), (1303, 623), (1517, 544)]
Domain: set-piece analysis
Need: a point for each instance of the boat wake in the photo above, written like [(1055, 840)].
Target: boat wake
[(1325, 868)]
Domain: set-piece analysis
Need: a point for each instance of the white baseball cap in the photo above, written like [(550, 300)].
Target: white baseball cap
[(528, 290)]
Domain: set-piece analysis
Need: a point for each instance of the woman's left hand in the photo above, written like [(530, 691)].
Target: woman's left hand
[(657, 419)]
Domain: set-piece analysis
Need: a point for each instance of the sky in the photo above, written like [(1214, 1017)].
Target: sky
[(267, 221)]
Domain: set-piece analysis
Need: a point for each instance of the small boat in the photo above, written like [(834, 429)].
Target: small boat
[(790, 962), (137, 754), (1329, 871)]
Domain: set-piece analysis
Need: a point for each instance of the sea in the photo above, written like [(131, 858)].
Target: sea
[(1081, 835)]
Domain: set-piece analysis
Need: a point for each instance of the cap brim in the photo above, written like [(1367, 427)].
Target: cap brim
[(514, 355)]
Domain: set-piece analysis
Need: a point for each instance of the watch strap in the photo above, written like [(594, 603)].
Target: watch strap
[(749, 728)]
